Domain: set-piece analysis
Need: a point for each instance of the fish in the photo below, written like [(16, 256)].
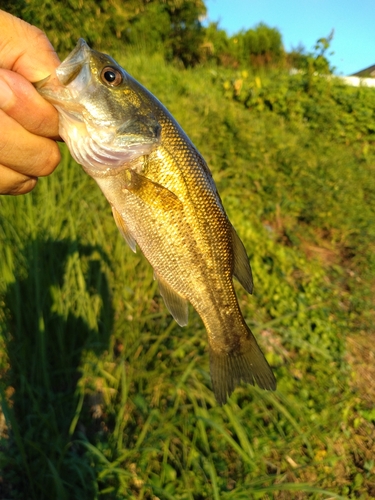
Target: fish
[(164, 200)]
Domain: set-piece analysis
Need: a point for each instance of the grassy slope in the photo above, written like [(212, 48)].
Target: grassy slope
[(106, 397)]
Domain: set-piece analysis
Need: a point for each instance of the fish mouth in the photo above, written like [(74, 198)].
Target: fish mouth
[(70, 68), (73, 71)]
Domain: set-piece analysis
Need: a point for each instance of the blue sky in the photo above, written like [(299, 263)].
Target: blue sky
[(304, 21)]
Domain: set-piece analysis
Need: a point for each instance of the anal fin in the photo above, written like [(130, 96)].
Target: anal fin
[(242, 269), (120, 223), (176, 305)]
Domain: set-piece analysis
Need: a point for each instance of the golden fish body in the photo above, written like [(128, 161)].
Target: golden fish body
[(164, 200)]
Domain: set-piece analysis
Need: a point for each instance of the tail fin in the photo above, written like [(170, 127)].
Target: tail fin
[(248, 364)]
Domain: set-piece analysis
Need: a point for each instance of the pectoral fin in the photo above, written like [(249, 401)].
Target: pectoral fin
[(120, 223), (175, 304), (242, 269), (152, 193)]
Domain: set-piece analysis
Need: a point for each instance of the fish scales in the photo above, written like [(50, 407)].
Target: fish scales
[(165, 201), (188, 229)]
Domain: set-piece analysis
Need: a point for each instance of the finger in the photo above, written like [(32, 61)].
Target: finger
[(32, 56), (20, 100), (14, 183), (27, 153)]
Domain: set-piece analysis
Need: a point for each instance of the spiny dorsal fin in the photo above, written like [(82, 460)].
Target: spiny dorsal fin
[(175, 304), (120, 223), (242, 269)]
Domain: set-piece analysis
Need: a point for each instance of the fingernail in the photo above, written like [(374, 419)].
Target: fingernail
[(6, 94)]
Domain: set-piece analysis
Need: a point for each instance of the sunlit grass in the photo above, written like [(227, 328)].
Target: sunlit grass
[(106, 397)]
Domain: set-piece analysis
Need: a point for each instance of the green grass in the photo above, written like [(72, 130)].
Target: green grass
[(106, 397)]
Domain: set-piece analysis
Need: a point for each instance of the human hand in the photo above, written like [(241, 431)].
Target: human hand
[(28, 123)]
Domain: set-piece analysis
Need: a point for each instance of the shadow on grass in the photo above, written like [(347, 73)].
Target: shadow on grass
[(50, 324)]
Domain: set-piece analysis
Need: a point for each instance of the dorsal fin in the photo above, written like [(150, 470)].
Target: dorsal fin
[(242, 269), (175, 304), (120, 223)]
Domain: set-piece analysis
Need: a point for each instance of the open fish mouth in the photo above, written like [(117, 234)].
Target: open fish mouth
[(71, 78), (74, 63)]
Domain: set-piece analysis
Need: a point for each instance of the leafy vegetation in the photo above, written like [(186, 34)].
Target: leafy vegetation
[(259, 46), (313, 61), (173, 28), (170, 27), (104, 396)]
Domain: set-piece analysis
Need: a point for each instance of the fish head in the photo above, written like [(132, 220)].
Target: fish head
[(106, 117)]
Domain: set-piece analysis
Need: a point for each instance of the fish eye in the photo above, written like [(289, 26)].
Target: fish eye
[(111, 76)]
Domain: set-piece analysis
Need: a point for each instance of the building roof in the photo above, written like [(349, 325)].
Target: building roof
[(367, 72)]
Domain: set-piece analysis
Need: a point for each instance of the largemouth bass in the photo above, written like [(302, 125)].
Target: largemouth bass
[(164, 200)]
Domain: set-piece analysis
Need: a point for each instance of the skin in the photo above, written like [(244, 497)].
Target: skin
[(28, 124)]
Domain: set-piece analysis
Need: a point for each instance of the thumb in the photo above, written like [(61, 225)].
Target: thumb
[(20, 101)]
